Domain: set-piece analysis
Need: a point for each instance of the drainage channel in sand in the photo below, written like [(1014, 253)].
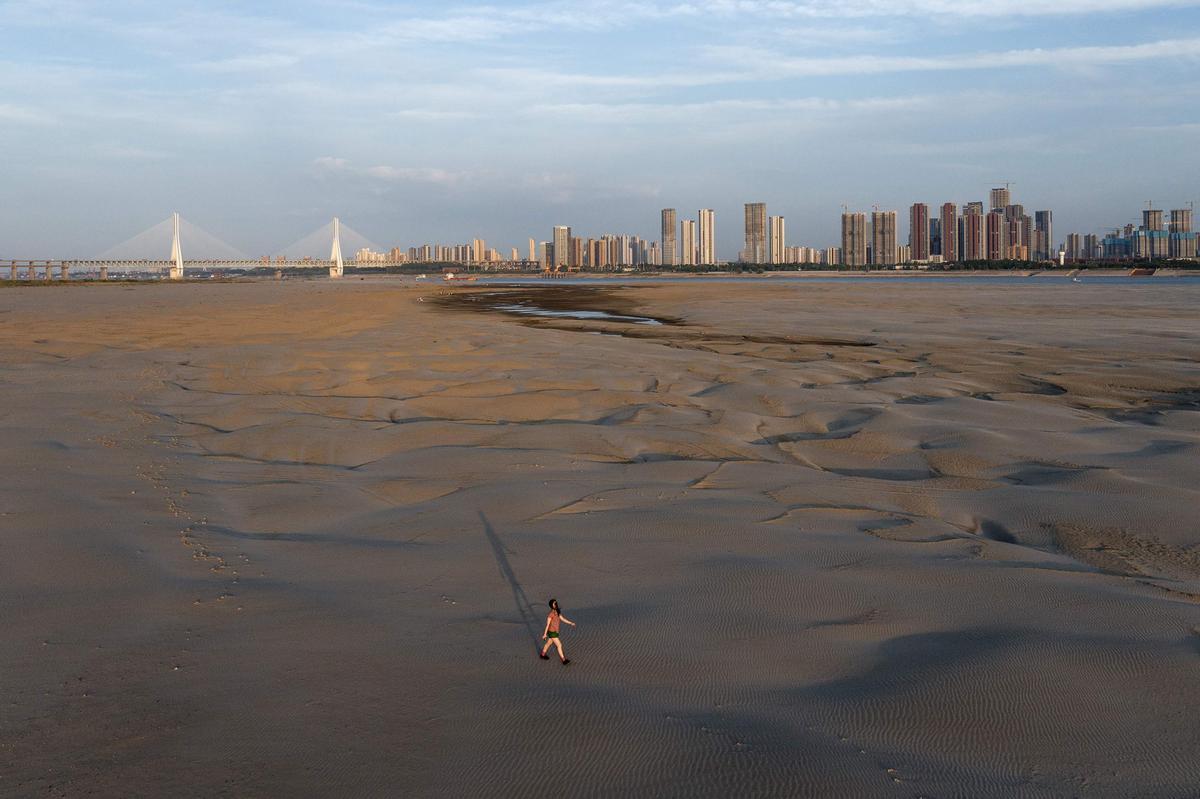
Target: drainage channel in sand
[(560, 302)]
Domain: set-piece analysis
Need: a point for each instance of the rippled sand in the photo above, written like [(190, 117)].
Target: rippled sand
[(820, 539)]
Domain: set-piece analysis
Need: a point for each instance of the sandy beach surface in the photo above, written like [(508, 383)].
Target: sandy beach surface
[(820, 539)]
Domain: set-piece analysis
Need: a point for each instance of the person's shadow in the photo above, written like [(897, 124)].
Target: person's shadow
[(522, 601)]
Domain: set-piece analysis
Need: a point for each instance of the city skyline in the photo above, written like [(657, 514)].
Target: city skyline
[(983, 231), (429, 121)]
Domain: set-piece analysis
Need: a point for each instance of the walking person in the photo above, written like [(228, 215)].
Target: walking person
[(550, 633)]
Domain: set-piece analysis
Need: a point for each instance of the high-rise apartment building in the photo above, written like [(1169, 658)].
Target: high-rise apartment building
[(801, 255), (1043, 225), (1001, 198), (883, 238), (533, 250), (1019, 233), (687, 242), (708, 237), (654, 254), (1183, 240), (669, 249), (1181, 220), (1152, 219), (974, 232), (1040, 250), (756, 233), (854, 240), (640, 250), (918, 231), (778, 242), (575, 261), (562, 246), (949, 233), (1074, 248), (625, 246), (997, 236), (1016, 234), (1152, 244)]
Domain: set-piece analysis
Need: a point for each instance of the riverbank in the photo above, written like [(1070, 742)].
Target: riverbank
[(821, 538)]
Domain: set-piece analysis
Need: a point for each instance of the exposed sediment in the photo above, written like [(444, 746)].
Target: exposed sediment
[(820, 539)]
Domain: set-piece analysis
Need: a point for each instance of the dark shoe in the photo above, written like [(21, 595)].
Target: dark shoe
[(566, 661), (543, 656)]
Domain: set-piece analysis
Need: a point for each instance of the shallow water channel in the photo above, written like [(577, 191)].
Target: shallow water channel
[(593, 304), (578, 313)]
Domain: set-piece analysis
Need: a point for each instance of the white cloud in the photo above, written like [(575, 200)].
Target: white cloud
[(433, 114), (562, 188), (122, 152), (484, 21), (331, 165), (22, 115), (657, 113), (835, 9), (772, 64), (261, 61), (1188, 128)]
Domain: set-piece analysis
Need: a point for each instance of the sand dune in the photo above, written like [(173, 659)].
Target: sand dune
[(821, 539)]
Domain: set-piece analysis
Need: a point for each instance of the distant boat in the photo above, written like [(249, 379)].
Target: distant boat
[(422, 277), (1142, 271)]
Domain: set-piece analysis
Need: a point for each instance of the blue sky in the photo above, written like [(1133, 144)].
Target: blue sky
[(418, 121)]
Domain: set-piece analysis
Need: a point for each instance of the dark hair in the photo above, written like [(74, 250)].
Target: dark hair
[(554, 605)]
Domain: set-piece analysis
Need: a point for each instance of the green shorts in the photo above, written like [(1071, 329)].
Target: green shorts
[(551, 635)]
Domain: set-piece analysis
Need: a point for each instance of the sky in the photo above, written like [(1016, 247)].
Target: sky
[(443, 121)]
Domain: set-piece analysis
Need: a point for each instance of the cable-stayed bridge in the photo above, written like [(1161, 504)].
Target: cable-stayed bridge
[(185, 237)]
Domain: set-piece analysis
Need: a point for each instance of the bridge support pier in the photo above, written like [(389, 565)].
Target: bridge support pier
[(279, 274), (336, 265), (104, 273), (176, 272), (12, 270), (64, 271)]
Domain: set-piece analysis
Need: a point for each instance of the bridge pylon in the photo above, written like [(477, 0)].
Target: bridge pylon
[(176, 250), (336, 266)]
